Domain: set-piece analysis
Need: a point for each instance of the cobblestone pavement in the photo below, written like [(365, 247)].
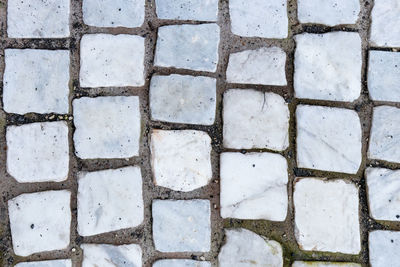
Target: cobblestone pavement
[(172, 133)]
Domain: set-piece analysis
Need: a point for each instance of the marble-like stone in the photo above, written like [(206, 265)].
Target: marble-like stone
[(244, 248), (384, 193), (181, 225), (385, 25), (38, 19), (181, 263), (111, 60), (50, 263), (36, 81), (328, 139), (201, 10), (107, 127), (181, 159), (40, 221), (113, 13), (384, 76), (192, 47), (328, 12), (324, 264), (265, 65), (384, 140), (328, 66), (254, 186), (38, 152), (111, 256), (259, 18), (384, 247), (109, 200), (254, 119), (183, 99), (326, 215)]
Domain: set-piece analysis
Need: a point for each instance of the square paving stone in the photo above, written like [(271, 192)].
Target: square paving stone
[(38, 19), (385, 24), (260, 66), (328, 12), (38, 152), (384, 247), (328, 66), (111, 60), (113, 13), (254, 186), (192, 47), (254, 119), (111, 256), (384, 140), (187, 9), (181, 225), (181, 263), (109, 200), (183, 99), (181, 160), (383, 193), (259, 18), (324, 264), (328, 139), (384, 76), (107, 127), (51, 263), (40, 221), (36, 81), (326, 215)]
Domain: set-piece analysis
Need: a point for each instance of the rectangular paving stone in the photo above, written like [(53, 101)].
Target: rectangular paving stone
[(385, 23), (384, 248), (40, 221), (108, 255), (201, 10), (38, 19), (36, 81), (183, 99), (384, 76), (181, 225), (51, 263), (111, 60), (192, 47)]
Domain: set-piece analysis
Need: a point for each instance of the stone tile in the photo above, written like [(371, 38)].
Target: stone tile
[(328, 66), (51, 263), (384, 142), (328, 12), (253, 119), (328, 139), (324, 264), (384, 76), (181, 225), (181, 263), (38, 152), (260, 66), (187, 9), (383, 193), (36, 81), (109, 256), (385, 24), (183, 99), (107, 127), (333, 207), (109, 200), (111, 60), (244, 248), (192, 47), (384, 248), (181, 159), (113, 13), (259, 18), (254, 186), (40, 221), (38, 19)]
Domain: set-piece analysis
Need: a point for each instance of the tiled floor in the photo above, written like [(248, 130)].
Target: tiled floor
[(198, 133)]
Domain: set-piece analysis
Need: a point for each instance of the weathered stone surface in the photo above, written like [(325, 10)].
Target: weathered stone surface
[(109, 256), (383, 248), (51, 263), (385, 24), (181, 263), (202, 10), (324, 264)]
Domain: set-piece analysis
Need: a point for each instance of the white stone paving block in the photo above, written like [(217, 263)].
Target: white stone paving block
[(201, 10), (385, 23), (384, 248), (50, 263), (324, 264), (181, 263), (105, 255)]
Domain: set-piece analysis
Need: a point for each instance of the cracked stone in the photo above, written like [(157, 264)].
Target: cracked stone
[(385, 23), (384, 248), (109, 255), (187, 9)]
